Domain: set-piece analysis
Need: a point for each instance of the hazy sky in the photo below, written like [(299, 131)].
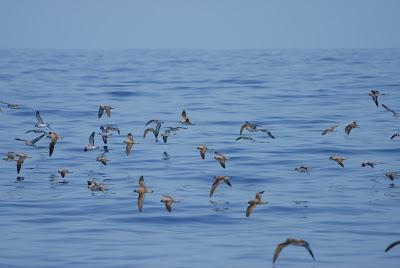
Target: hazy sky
[(200, 24)]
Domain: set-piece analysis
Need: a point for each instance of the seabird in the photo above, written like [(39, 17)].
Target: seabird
[(155, 131), (105, 132), (40, 122), (338, 159), (203, 149), (217, 181), (90, 146), (10, 156), (103, 108), (395, 114), (64, 172), (350, 126), (253, 203), (184, 119), (141, 190), (368, 163), (303, 169), (374, 95), (329, 129), (95, 186), (53, 139), (102, 159), (248, 126), (293, 242), (21, 160), (129, 143), (221, 158), (168, 200), (31, 142), (10, 105), (391, 175)]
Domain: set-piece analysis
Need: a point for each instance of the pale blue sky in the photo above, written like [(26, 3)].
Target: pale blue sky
[(205, 24)]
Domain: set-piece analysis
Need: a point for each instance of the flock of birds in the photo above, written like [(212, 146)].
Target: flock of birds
[(168, 200)]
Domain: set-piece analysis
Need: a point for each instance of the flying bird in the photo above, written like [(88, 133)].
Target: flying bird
[(338, 159), (253, 203), (185, 119), (374, 95), (168, 200), (10, 156), (293, 242), (329, 129), (40, 123), (64, 172), (303, 169), (129, 143), (31, 142), (10, 105), (217, 181), (395, 114), (221, 158), (53, 139), (392, 245), (90, 146), (141, 190), (248, 126), (103, 108), (21, 160), (105, 132), (102, 159), (391, 175), (95, 186), (368, 163), (350, 126), (203, 149)]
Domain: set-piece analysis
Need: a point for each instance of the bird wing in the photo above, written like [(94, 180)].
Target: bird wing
[(202, 153), (147, 131), (387, 108), (35, 140), (324, 132), (250, 208), (104, 137), (270, 134), (241, 128), (51, 147), (214, 186), (19, 164), (278, 250), (151, 121), (168, 204), (340, 162), (91, 139), (222, 161), (128, 148), (100, 112), (375, 99), (140, 201), (394, 136), (307, 246), (108, 111), (392, 245), (165, 137), (39, 118)]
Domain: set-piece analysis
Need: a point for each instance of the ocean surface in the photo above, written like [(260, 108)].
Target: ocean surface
[(348, 215)]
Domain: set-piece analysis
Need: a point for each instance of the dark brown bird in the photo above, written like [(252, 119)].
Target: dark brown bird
[(64, 172), (248, 126), (368, 163), (203, 149), (129, 143), (303, 169), (392, 245), (293, 242), (53, 139), (338, 159), (217, 181), (391, 175), (329, 129), (95, 186), (103, 108), (21, 160), (221, 158), (350, 126), (253, 203), (374, 95), (185, 119), (102, 159), (168, 200), (141, 190)]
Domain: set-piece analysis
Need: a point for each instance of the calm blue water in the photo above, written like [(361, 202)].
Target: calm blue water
[(349, 215)]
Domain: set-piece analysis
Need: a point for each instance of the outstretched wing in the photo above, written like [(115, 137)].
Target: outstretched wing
[(392, 245), (147, 131), (91, 139), (39, 118), (214, 186), (128, 148), (100, 112), (51, 147), (35, 140)]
